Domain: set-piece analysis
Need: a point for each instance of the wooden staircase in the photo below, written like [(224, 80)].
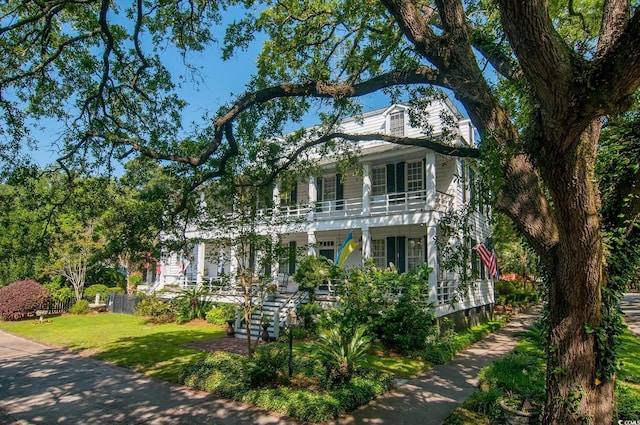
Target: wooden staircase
[(275, 311)]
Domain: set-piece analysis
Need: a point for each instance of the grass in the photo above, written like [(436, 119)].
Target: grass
[(159, 351), (121, 339)]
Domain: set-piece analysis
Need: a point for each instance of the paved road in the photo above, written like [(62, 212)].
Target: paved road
[(631, 307)]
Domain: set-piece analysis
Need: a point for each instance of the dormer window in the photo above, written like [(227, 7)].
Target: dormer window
[(396, 124)]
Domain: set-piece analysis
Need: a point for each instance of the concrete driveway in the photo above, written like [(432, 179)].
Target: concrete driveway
[(44, 385)]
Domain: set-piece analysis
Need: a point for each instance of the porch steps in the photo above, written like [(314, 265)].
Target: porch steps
[(274, 312)]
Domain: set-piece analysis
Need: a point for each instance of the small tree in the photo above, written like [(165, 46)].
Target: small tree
[(75, 248)]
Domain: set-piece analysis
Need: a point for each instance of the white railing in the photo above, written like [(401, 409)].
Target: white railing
[(339, 208), (398, 202)]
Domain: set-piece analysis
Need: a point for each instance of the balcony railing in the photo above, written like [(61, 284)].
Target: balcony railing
[(353, 207)]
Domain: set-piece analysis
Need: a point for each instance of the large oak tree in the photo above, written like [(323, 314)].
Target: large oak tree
[(537, 80)]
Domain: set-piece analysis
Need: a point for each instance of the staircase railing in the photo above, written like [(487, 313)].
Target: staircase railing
[(290, 305)]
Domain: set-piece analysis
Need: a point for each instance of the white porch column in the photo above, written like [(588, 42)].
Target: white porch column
[(200, 263), (432, 258), (276, 199), (311, 242), (275, 264), (313, 196), (233, 261), (366, 191), (366, 244), (430, 180)]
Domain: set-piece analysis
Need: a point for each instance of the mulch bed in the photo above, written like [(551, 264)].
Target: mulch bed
[(229, 344)]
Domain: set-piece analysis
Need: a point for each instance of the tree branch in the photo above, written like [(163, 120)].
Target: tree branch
[(545, 58)]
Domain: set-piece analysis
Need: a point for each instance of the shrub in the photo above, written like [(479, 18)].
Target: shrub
[(80, 307), (269, 365), (22, 298), (190, 305), (223, 374), (313, 315), (91, 291), (133, 281), (407, 326), (220, 313), (156, 309), (59, 293)]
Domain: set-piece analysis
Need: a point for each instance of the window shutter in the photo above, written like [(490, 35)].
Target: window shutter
[(318, 193), (318, 189), (292, 257), (391, 178), (391, 250), (400, 178), (401, 247), (294, 194)]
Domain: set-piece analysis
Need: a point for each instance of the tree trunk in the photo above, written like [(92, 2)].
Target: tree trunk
[(575, 395)]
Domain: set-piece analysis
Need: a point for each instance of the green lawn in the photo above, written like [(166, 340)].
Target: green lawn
[(158, 350), (124, 340)]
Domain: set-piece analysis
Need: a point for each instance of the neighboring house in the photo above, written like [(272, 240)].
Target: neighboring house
[(392, 207)]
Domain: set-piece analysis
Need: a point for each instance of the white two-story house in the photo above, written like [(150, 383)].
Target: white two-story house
[(392, 207)]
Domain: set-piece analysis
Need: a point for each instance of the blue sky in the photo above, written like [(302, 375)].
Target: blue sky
[(222, 82)]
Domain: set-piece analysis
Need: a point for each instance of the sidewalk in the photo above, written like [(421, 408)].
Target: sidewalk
[(431, 398), (44, 385)]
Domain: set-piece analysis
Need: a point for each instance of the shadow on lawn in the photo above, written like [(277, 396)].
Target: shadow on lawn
[(161, 354)]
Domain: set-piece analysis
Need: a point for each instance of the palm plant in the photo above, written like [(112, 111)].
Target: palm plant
[(342, 352)]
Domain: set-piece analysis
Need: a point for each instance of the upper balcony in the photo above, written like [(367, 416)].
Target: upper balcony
[(380, 205)]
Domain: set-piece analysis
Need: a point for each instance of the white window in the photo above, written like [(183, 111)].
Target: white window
[(379, 181), (379, 252), (414, 253), (415, 176), (329, 188), (396, 124)]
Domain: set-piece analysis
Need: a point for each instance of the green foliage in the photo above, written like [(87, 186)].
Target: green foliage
[(134, 280), (312, 272), (190, 305), (104, 275), (627, 402), (313, 316), (515, 293), (224, 374), (22, 298), (440, 349), (503, 287), (342, 353), (220, 313), (80, 307), (486, 402), (407, 323), (91, 291), (268, 365), (230, 375), (156, 309), (59, 293)]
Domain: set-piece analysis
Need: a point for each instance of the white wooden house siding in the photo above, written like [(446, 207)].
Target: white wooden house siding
[(395, 224)]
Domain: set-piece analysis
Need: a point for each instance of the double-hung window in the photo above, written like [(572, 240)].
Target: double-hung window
[(415, 176), (378, 181), (396, 124)]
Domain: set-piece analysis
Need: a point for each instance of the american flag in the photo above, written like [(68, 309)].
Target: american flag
[(488, 258)]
